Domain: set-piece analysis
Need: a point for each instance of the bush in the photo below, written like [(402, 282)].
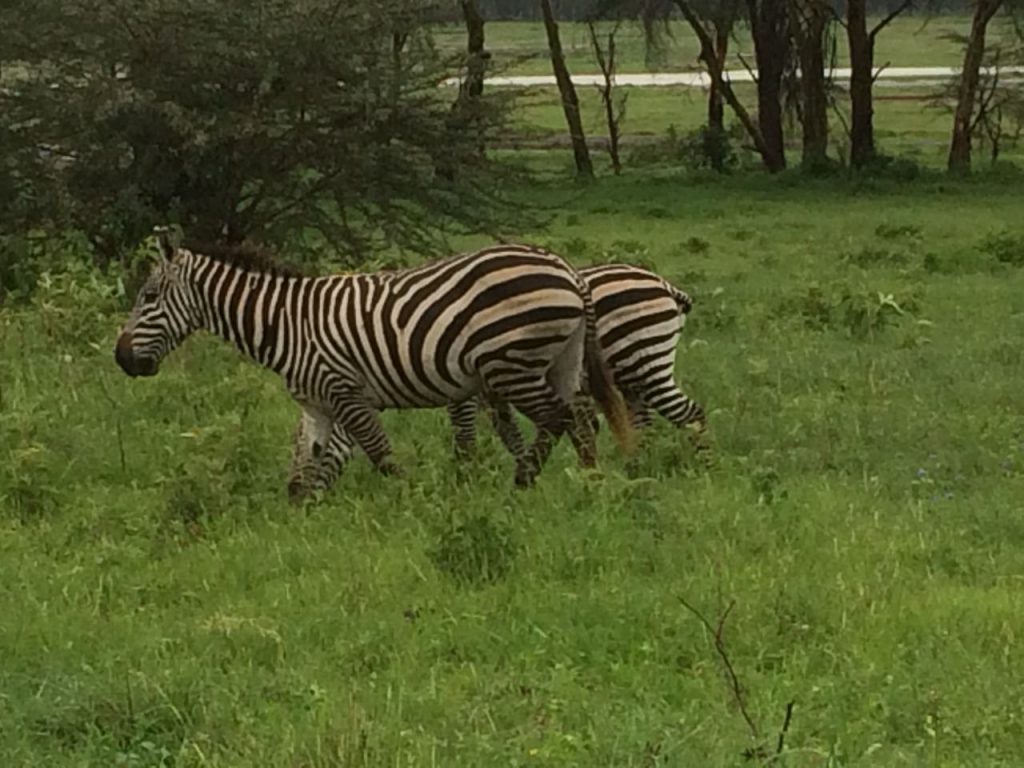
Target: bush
[(708, 148), (317, 117), (859, 313), (1005, 247)]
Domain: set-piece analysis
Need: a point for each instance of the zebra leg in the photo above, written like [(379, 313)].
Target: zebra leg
[(583, 430), (463, 418), (362, 422), (321, 471), (311, 438), (641, 414), (540, 403), (668, 400), (505, 425)]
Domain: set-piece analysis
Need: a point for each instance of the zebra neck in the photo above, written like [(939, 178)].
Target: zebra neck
[(251, 310)]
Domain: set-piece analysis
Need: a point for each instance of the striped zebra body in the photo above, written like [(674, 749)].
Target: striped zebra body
[(509, 323), (639, 318)]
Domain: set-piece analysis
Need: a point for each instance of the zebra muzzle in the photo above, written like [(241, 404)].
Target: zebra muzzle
[(131, 363)]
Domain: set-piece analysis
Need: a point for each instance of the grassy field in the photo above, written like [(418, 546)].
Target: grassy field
[(858, 348)]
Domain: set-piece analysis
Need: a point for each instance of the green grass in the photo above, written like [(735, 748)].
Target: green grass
[(161, 604), (915, 129)]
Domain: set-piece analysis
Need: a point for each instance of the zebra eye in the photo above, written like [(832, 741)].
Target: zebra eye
[(150, 296)]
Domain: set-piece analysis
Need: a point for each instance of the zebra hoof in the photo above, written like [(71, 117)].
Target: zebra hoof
[(296, 492), (390, 469), (525, 477)]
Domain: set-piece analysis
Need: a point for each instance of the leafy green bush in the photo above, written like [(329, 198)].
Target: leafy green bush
[(858, 312), (1006, 247), (317, 117)]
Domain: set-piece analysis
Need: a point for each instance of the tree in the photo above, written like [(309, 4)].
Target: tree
[(862, 77), (473, 87), (809, 23), (769, 27), (613, 111), (570, 102), (469, 110), (712, 22), (240, 121), (963, 118), (722, 16), (714, 66)]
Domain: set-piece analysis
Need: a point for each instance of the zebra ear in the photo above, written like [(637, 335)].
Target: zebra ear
[(163, 241)]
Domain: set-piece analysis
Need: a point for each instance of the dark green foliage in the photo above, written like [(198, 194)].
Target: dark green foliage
[(698, 150), (871, 256), (320, 122), (1005, 247), (857, 312), (891, 168), (891, 231)]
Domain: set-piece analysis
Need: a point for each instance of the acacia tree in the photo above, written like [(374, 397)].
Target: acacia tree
[(570, 102), (862, 77), (963, 118), (239, 121)]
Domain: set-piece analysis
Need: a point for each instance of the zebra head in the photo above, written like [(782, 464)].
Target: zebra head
[(164, 314)]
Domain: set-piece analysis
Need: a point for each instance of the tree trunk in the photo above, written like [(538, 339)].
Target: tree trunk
[(473, 87), (716, 107), (465, 111), (862, 62), (809, 25), (960, 146), (768, 20), (570, 103)]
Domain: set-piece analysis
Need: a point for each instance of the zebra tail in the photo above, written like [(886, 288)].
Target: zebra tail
[(682, 298), (600, 380)]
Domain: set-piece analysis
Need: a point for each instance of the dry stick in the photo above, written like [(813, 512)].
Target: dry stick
[(734, 681), (785, 727), (117, 422)]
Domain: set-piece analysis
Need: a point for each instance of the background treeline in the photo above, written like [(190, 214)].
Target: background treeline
[(322, 126), (581, 10)]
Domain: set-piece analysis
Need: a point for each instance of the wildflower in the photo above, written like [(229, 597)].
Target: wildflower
[(921, 473)]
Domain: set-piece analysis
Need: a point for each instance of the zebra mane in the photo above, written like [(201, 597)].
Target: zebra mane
[(246, 255)]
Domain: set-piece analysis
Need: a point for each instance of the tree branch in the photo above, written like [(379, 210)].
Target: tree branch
[(889, 18)]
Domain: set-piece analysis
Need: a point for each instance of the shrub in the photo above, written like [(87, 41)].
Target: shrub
[(1005, 247)]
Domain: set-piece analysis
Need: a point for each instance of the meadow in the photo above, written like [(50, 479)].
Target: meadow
[(859, 542), (857, 345)]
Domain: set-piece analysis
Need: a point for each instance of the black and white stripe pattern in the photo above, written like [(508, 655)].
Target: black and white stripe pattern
[(640, 317), (511, 323)]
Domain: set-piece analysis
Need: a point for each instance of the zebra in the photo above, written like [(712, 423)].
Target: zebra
[(640, 316), (512, 323)]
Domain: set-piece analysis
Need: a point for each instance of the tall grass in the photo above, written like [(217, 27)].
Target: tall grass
[(858, 349)]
